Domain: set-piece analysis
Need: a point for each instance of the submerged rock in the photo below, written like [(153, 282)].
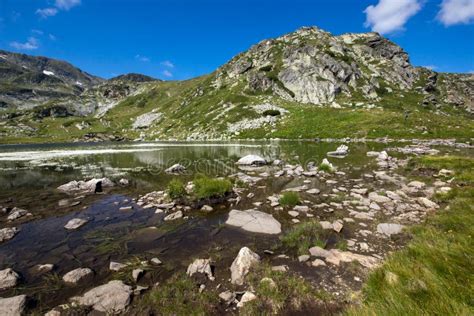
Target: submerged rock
[(8, 233), (75, 223), (110, 298), (241, 265), (78, 275), (13, 306), (8, 278), (254, 221), (253, 160), (201, 266)]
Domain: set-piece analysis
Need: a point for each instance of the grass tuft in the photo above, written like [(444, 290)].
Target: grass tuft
[(289, 199), (176, 189), (303, 236), (205, 187)]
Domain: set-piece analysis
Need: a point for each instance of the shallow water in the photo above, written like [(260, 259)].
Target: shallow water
[(29, 176)]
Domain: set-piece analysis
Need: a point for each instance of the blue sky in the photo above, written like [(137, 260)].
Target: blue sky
[(180, 39)]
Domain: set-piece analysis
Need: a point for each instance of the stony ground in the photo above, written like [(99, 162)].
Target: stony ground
[(322, 244)]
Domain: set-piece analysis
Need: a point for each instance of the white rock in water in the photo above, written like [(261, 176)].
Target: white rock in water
[(78, 275), (251, 160), (8, 278), (8, 233), (85, 186), (75, 223), (176, 168), (116, 266), (241, 265), (110, 298), (254, 221), (201, 266), (389, 229), (174, 216), (13, 306), (342, 150)]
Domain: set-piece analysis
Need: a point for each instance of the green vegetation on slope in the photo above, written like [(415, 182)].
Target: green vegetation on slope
[(434, 274)]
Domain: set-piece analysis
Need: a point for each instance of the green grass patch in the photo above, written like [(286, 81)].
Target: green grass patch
[(303, 236), (178, 296), (289, 199), (281, 292), (205, 187), (176, 189)]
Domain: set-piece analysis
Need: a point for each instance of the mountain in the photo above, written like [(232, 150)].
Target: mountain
[(308, 83)]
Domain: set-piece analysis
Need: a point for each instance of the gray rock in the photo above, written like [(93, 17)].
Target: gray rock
[(254, 221), (319, 252), (75, 223), (251, 160), (247, 297), (174, 216), (241, 265), (136, 274), (116, 266), (13, 306), (201, 266), (8, 278), (85, 186), (78, 275), (17, 213), (389, 229), (8, 233), (110, 298), (176, 169), (378, 198), (303, 258), (146, 120)]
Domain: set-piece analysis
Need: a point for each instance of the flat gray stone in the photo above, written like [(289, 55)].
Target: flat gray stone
[(110, 298), (254, 221), (12, 306), (389, 229), (77, 275), (8, 278)]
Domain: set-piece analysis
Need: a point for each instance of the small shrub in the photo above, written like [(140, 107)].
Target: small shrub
[(205, 187), (176, 189), (290, 199), (271, 113), (304, 236)]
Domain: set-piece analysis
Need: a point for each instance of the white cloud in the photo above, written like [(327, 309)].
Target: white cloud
[(431, 67), (167, 64), (390, 15), (142, 58), (31, 44), (167, 73), (47, 12), (456, 12), (66, 4)]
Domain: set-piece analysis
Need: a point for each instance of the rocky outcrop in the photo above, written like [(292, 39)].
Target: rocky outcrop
[(110, 298), (241, 265), (146, 120)]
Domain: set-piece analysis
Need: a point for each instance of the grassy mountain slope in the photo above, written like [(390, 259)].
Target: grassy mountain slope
[(305, 84)]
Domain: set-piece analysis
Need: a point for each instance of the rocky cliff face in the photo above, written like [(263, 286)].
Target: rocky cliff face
[(313, 66)]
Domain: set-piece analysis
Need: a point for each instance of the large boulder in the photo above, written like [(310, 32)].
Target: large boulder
[(91, 186), (8, 279), (251, 160), (254, 221), (12, 306), (245, 259), (110, 298)]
